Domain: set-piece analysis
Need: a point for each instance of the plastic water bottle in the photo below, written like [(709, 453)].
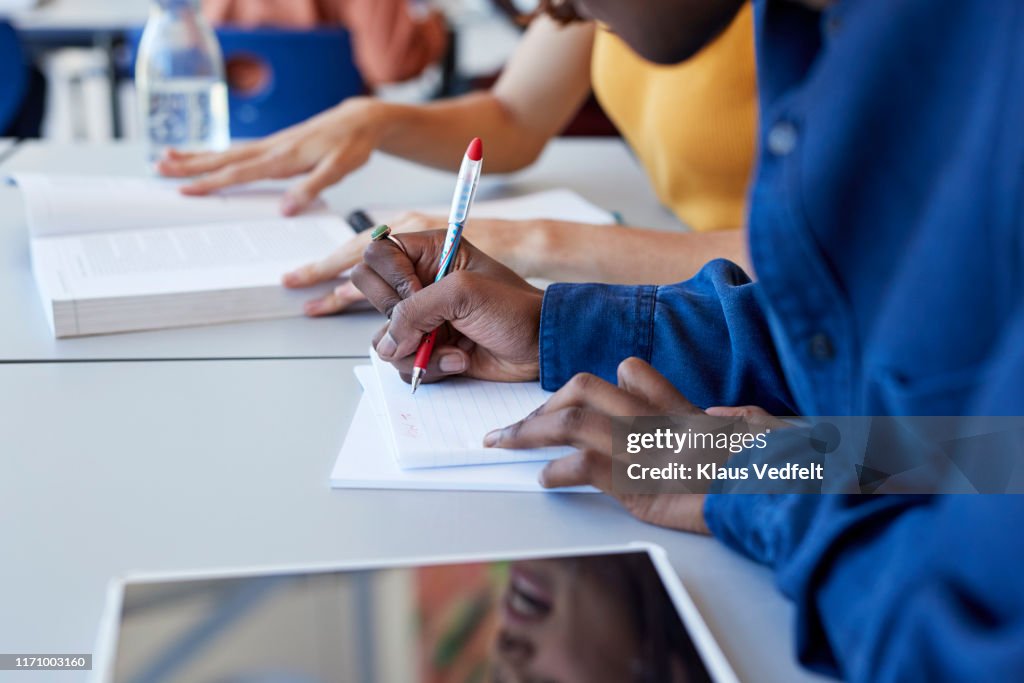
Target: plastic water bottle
[(179, 76)]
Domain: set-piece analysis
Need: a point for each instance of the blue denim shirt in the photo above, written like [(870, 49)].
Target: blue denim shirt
[(887, 233)]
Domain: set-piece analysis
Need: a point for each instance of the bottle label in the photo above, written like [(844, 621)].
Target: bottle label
[(187, 114)]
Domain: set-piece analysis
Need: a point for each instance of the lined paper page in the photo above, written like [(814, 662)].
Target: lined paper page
[(444, 424), (363, 464)]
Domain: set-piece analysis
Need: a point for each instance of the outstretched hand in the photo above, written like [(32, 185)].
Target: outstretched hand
[(328, 147)]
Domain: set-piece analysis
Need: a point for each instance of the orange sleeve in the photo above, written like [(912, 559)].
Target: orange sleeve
[(294, 14), (389, 42), (217, 12)]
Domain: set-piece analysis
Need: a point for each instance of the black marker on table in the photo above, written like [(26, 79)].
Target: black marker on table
[(360, 221)]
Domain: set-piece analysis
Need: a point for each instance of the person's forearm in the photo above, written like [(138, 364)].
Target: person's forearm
[(539, 91), (577, 252), (436, 134), (881, 592), (708, 335)]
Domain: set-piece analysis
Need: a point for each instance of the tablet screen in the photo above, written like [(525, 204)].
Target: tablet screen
[(553, 620)]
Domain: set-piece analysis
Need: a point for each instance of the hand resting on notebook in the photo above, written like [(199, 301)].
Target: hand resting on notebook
[(489, 316), (580, 415)]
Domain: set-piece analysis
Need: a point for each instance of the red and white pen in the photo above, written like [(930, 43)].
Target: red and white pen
[(465, 190)]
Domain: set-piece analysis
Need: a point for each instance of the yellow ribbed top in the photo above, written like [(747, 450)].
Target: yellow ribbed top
[(692, 125)]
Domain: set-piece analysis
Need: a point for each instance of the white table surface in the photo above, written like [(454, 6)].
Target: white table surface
[(7, 149), (83, 15), (600, 170), (113, 467)]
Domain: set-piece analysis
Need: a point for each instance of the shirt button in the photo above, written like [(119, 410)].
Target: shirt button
[(820, 347), (782, 138)]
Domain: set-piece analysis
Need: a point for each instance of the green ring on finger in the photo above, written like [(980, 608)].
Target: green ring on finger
[(383, 232)]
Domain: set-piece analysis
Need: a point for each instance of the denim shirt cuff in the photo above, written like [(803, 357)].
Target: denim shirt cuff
[(756, 525), (592, 328)]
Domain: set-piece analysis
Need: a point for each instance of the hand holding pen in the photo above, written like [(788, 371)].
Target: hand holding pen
[(465, 191), (488, 316), (492, 314)]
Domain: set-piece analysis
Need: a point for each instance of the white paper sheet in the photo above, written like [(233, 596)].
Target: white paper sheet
[(75, 204), (367, 461), (557, 205), (194, 258), (444, 424)]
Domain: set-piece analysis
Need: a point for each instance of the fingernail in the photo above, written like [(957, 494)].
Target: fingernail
[(492, 438), (290, 279), (311, 307), (453, 362), (289, 206), (387, 346), (542, 478)]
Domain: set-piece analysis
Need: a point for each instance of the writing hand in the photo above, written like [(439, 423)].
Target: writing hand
[(489, 317)]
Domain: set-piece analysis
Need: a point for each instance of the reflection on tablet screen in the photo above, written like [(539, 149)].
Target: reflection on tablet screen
[(559, 620)]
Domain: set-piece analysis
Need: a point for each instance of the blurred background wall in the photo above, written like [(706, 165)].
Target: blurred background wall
[(81, 51)]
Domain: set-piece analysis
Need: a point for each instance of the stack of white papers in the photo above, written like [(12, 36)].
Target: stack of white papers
[(434, 440)]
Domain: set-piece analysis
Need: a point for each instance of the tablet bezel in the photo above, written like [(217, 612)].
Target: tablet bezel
[(707, 647)]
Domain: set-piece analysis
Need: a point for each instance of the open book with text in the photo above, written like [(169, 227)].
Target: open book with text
[(118, 254), (114, 254)]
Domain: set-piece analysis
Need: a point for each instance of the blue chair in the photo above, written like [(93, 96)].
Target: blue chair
[(307, 71), (13, 76)]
